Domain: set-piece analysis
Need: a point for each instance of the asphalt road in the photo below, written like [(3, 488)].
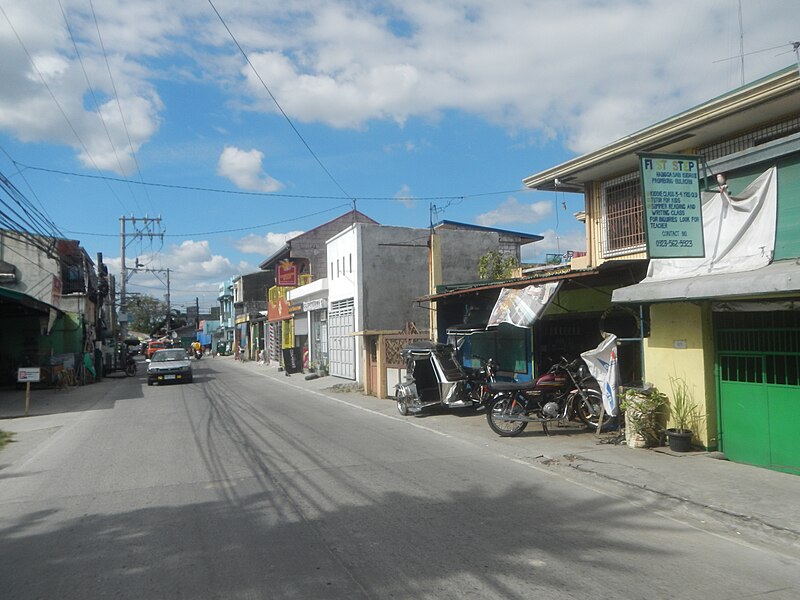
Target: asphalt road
[(242, 486)]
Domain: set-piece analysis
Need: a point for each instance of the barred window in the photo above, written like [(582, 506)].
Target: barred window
[(622, 215), (750, 139)]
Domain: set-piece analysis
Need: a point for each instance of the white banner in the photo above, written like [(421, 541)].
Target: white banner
[(739, 233), (521, 307), (602, 363)]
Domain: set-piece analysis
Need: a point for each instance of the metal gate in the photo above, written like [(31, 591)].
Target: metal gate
[(341, 343), (758, 359)]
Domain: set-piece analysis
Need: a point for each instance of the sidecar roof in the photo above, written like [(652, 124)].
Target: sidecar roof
[(422, 349)]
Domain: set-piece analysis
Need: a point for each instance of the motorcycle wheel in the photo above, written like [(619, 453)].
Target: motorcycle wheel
[(402, 406), (130, 370), (587, 406), (505, 405)]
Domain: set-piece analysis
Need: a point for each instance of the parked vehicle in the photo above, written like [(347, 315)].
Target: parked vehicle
[(566, 392), (435, 377), (169, 366)]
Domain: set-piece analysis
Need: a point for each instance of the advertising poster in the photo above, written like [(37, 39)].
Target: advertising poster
[(672, 205)]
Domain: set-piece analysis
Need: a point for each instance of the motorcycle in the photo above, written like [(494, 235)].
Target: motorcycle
[(198, 354), (130, 366), (565, 392), (435, 377)]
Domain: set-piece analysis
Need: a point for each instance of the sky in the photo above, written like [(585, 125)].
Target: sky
[(242, 123)]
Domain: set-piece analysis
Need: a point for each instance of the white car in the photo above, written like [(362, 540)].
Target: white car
[(169, 366)]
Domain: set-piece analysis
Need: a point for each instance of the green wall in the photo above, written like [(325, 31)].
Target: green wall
[(787, 234)]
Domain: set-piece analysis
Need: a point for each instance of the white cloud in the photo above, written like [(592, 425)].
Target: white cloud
[(195, 270), (513, 211), (554, 242), (243, 168), (585, 71), (405, 197), (264, 245)]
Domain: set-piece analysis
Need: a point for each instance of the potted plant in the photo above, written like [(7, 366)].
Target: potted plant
[(643, 407), (683, 416)]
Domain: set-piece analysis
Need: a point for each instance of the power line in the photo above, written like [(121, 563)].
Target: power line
[(228, 230), (116, 96), (55, 100), (94, 96), (280, 108), (191, 188)]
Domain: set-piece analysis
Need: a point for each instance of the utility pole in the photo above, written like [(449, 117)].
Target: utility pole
[(141, 231)]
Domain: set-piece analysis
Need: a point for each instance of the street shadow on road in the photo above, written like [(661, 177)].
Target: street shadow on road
[(279, 543)]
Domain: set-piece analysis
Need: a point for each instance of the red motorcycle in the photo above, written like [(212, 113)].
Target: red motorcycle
[(566, 392)]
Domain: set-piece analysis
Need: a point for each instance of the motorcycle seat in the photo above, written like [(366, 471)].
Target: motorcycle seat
[(511, 386)]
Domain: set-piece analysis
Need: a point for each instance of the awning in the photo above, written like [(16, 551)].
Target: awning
[(19, 303), (777, 278), (511, 283)]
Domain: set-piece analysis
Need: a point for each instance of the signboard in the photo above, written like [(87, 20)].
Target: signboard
[(286, 275), (673, 219), (317, 304), (29, 374)]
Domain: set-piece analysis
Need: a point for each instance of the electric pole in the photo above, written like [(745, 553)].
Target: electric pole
[(142, 229)]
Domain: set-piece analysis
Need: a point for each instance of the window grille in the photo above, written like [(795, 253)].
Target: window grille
[(623, 231), (751, 139)]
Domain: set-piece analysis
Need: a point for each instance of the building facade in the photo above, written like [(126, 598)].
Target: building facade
[(727, 322)]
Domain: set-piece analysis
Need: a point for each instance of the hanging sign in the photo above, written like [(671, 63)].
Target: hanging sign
[(673, 219), (286, 274)]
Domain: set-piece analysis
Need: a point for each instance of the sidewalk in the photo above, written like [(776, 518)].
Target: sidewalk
[(737, 497)]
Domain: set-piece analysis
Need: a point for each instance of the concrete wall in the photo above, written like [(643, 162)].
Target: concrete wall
[(394, 267), (312, 244), (35, 270), (681, 344), (457, 252)]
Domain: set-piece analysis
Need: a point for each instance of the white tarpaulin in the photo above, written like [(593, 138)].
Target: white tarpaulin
[(739, 233), (602, 363), (521, 307)]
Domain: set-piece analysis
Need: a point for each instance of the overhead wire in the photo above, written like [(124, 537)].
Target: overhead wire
[(55, 100), (116, 98), (193, 188), (94, 97), (277, 104)]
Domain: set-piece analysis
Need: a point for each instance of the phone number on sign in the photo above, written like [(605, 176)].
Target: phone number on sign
[(674, 243)]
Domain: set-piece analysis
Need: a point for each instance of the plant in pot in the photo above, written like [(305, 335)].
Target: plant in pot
[(684, 416), (643, 408)]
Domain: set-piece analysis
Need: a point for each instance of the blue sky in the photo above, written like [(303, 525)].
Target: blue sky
[(404, 105)]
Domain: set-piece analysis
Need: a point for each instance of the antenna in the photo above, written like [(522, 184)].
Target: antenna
[(741, 40)]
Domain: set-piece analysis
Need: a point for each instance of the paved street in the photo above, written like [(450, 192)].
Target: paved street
[(243, 485)]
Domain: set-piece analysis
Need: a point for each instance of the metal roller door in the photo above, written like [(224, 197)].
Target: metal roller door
[(341, 343)]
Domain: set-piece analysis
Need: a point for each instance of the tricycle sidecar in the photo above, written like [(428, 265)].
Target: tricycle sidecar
[(433, 377)]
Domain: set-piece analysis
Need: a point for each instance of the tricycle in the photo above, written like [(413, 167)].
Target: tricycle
[(435, 377)]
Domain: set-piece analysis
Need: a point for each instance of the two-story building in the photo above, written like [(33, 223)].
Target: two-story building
[(49, 300), (725, 321), (298, 318)]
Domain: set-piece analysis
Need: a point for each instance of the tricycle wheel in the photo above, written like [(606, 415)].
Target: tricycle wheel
[(501, 406), (402, 405)]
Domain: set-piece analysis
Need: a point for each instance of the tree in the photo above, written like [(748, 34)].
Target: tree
[(146, 314), (495, 265)]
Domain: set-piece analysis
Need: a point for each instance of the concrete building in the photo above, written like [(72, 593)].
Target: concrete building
[(729, 328)]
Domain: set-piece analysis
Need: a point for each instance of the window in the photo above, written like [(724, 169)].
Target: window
[(351, 262), (623, 230)]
